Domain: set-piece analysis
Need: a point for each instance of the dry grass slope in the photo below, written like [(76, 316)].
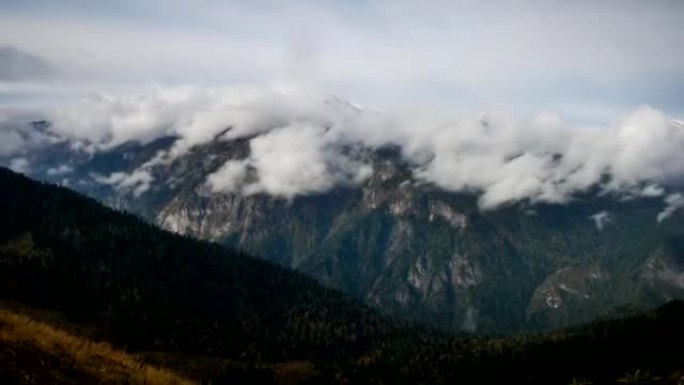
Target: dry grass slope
[(33, 352)]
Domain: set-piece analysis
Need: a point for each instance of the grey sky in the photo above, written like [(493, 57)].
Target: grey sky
[(587, 60), (480, 96)]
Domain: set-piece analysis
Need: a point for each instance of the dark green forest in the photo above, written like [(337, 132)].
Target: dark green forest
[(220, 316)]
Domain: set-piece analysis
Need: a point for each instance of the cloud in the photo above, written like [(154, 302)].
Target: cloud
[(137, 182), (194, 114), (18, 136), (297, 159), (20, 165), (674, 202), (652, 191), (500, 158), (586, 58), (546, 161), (107, 120), (229, 178), (10, 141), (302, 143), (600, 219), (60, 170), (592, 61)]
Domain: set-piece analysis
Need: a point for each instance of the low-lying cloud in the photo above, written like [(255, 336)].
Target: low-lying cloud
[(137, 182), (303, 144), (600, 219), (298, 159), (674, 202)]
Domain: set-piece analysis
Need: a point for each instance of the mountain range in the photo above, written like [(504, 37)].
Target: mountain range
[(406, 247)]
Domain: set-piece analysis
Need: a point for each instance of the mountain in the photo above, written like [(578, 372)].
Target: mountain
[(398, 244), (188, 309)]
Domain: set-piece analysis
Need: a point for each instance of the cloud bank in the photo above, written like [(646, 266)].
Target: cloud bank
[(302, 144), (298, 159)]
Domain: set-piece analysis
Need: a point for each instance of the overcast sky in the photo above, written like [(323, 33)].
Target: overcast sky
[(586, 60)]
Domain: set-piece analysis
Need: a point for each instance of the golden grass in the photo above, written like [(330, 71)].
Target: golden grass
[(97, 359)]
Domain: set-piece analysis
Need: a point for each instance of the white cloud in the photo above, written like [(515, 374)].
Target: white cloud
[(17, 136), (509, 161), (291, 161), (60, 170), (138, 181), (302, 143), (600, 219), (20, 165), (674, 202), (10, 141), (527, 56), (229, 178), (108, 120), (652, 191), (592, 60), (194, 114), (297, 159)]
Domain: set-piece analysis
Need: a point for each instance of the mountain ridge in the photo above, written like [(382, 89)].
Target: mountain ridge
[(403, 246)]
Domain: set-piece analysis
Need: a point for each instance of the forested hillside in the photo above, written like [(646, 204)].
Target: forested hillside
[(211, 313), (97, 265)]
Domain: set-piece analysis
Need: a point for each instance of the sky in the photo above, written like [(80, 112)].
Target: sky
[(585, 60), (533, 100)]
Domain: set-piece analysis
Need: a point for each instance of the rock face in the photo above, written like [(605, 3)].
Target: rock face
[(406, 247)]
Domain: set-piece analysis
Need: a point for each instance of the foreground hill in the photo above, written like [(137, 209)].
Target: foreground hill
[(98, 265), (37, 349), (35, 352), (210, 313)]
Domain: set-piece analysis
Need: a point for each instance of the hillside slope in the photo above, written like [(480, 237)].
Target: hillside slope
[(164, 290), (214, 314), (34, 352)]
